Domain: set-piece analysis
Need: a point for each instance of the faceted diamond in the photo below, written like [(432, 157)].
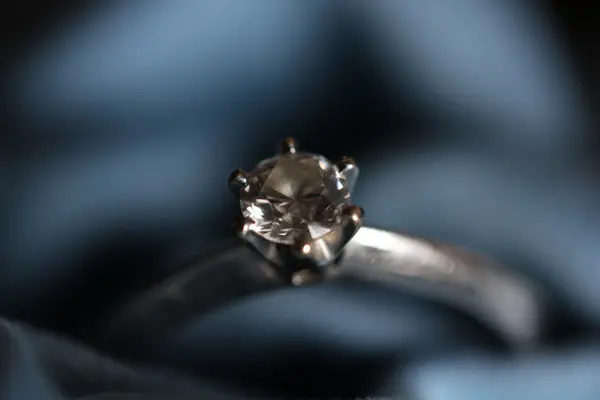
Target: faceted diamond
[(294, 195)]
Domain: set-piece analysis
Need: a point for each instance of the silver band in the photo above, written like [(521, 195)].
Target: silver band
[(505, 302)]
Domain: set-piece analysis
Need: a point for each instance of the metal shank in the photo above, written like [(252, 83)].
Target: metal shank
[(502, 300)]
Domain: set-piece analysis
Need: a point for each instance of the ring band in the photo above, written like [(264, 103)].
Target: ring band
[(300, 227)]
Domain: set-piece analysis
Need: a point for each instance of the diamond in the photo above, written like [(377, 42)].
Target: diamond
[(294, 195)]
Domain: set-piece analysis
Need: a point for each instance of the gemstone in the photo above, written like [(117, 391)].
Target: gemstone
[(294, 195)]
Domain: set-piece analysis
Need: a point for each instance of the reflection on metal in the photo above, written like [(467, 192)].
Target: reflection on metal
[(508, 303)]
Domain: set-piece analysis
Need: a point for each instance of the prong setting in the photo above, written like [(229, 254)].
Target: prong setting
[(296, 210)]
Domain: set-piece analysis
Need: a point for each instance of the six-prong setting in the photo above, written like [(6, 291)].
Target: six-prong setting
[(295, 208)]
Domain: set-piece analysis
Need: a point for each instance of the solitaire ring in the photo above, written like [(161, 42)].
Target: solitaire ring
[(298, 226)]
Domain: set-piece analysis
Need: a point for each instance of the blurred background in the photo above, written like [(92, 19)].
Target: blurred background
[(473, 123)]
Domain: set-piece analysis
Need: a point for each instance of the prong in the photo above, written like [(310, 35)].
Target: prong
[(348, 168), (242, 226), (287, 145), (352, 219), (238, 180), (345, 163), (355, 213)]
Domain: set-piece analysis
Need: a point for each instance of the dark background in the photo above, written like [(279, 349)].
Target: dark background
[(473, 123)]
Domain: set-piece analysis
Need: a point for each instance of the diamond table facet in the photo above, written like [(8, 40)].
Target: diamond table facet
[(293, 196)]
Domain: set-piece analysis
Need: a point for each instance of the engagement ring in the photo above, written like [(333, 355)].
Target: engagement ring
[(298, 226)]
